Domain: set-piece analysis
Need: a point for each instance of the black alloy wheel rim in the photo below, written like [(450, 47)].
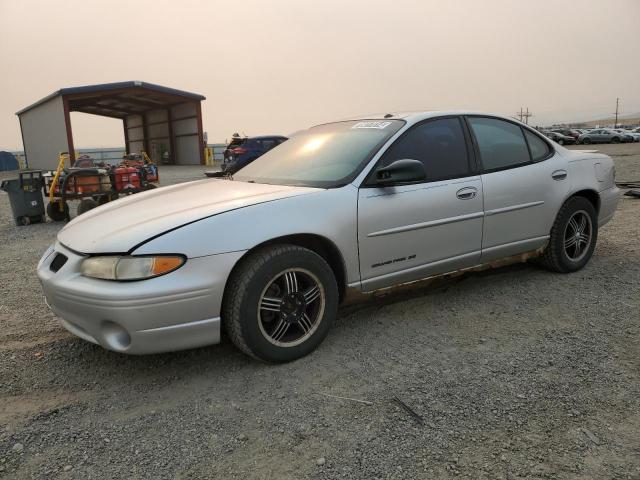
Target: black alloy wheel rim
[(291, 307), (577, 235)]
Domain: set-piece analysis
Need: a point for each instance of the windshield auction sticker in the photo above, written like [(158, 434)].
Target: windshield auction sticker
[(372, 124)]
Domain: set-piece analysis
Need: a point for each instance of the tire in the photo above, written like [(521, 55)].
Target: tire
[(560, 142), (586, 141), (263, 277), (106, 198), (149, 186), (53, 210), (615, 140), (23, 221), (85, 205), (556, 256)]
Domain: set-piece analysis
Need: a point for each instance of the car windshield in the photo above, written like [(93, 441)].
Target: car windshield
[(324, 156)]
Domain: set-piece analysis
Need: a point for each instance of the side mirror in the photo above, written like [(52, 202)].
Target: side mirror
[(401, 171)]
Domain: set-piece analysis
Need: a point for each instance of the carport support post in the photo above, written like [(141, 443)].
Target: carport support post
[(126, 135), (145, 132), (200, 133), (67, 124), (172, 139)]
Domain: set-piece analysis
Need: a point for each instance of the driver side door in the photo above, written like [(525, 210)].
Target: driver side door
[(410, 231)]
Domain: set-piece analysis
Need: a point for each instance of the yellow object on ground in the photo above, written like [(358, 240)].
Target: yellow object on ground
[(54, 183)]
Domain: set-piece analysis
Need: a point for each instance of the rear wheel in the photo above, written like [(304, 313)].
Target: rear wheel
[(573, 237), (85, 205), (106, 198), (615, 140), (586, 141), (57, 210), (279, 303)]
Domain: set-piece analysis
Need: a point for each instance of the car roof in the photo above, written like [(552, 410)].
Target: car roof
[(265, 137), (418, 116)]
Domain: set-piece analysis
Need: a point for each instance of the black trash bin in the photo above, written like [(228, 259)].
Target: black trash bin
[(25, 196)]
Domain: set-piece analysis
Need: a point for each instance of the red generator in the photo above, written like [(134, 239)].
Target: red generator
[(127, 178)]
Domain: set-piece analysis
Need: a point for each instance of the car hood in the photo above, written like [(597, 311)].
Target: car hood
[(119, 226)]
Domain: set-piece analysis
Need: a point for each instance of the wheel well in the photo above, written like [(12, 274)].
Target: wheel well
[(318, 244), (590, 195)]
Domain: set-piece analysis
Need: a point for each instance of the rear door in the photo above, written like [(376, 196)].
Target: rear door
[(598, 136), (408, 232), (524, 183)]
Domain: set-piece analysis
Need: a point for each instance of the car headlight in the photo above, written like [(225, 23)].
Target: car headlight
[(130, 267)]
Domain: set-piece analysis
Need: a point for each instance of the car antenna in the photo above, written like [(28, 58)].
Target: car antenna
[(388, 115)]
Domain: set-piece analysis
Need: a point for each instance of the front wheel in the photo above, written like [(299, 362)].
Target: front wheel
[(279, 303), (573, 237)]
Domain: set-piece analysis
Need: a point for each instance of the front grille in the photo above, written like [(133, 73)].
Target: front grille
[(58, 262)]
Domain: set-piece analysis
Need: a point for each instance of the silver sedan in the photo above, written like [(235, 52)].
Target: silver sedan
[(362, 204)]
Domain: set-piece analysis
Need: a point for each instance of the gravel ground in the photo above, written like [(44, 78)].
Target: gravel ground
[(514, 373)]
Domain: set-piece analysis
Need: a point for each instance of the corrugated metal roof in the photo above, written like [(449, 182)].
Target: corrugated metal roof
[(105, 87)]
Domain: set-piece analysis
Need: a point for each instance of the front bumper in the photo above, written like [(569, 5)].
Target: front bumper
[(608, 203), (176, 311)]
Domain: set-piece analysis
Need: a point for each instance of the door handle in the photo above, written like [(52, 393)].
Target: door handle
[(559, 175), (467, 193)]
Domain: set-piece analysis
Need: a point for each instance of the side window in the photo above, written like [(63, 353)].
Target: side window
[(251, 144), (501, 143), (439, 144), (539, 148)]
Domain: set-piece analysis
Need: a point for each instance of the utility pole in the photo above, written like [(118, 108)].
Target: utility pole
[(524, 115), (615, 125)]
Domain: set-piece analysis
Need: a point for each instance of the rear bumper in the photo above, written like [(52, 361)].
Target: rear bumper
[(176, 311), (608, 203)]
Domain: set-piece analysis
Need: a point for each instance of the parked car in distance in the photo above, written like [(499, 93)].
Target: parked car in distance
[(358, 205), (567, 132), (627, 137), (582, 131), (559, 138), (600, 135), (635, 135), (243, 150)]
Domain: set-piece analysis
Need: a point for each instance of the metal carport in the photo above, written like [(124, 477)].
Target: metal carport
[(163, 121)]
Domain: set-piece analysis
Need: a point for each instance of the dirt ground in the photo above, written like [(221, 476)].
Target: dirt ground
[(514, 373)]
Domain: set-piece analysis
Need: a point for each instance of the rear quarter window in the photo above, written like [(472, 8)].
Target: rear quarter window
[(538, 147)]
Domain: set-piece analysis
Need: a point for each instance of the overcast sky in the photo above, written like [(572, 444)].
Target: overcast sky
[(281, 65)]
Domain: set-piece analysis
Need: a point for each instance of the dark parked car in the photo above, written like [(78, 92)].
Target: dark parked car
[(243, 150), (559, 138), (567, 132)]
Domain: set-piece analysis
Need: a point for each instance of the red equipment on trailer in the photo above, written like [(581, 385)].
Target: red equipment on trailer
[(95, 186)]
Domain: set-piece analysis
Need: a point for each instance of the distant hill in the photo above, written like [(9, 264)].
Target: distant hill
[(628, 119)]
